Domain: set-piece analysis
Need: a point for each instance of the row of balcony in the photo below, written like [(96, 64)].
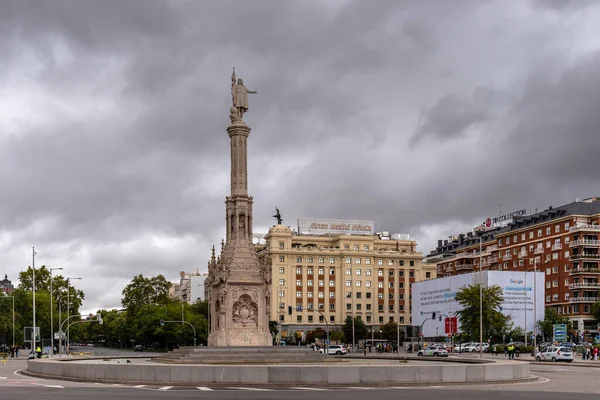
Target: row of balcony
[(591, 256), (585, 285), (584, 299), (584, 242), (585, 228)]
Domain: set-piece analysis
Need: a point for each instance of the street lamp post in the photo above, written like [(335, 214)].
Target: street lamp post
[(13, 316), (51, 312), (60, 299), (534, 306), (33, 253), (480, 296), (69, 308)]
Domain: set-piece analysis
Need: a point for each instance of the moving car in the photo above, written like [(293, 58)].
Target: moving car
[(554, 354), (337, 349), (433, 351), (138, 347)]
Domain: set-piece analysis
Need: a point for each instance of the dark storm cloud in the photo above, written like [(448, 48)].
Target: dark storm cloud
[(422, 116)]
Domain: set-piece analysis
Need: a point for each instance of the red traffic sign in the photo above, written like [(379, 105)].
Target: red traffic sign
[(488, 222), (451, 324)]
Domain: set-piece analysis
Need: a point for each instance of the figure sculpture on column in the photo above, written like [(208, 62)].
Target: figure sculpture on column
[(239, 96)]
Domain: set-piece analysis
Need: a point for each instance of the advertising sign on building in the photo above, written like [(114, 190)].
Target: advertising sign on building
[(321, 226), (504, 219), (438, 295)]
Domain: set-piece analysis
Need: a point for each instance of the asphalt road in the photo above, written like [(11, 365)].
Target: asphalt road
[(557, 381)]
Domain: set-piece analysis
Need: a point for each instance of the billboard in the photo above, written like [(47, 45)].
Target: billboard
[(437, 296), (320, 226)]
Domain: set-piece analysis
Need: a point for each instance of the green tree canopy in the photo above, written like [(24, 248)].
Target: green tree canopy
[(495, 324), (142, 291), (552, 317), (389, 331), (360, 329)]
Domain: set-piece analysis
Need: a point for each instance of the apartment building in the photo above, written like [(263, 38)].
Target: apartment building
[(561, 241), (320, 279)]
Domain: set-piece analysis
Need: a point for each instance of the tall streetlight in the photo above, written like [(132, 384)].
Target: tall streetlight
[(33, 253), (60, 299), (51, 310), (13, 316), (69, 305), (481, 295)]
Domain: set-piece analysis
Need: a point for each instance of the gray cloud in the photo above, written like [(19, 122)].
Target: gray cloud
[(422, 116)]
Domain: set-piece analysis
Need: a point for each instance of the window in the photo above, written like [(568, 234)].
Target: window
[(391, 273), (391, 296), (310, 260), (515, 239), (332, 295), (358, 271), (401, 296), (548, 230), (380, 297), (321, 260), (401, 263), (368, 316), (321, 295), (586, 309), (555, 269), (566, 296), (548, 299), (555, 297), (298, 282), (391, 262), (346, 247), (366, 248), (507, 240), (557, 228), (401, 274), (391, 307), (368, 295), (401, 285), (298, 259), (348, 260), (548, 284), (281, 245), (321, 271), (547, 271), (357, 261), (331, 283), (321, 283), (401, 307), (331, 306), (331, 260), (310, 318), (309, 271), (348, 283), (380, 272), (411, 263), (281, 293), (539, 233), (566, 268), (391, 285), (309, 295), (555, 256), (348, 295), (566, 254), (309, 282), (531, 235), (567, 282), (298, 294), (367, 283), (555, 283), (331, 271), (380, 284), (427, 275), (381, 318), (348, 271), (309, 306), (368, 272), (355, 247), (281, 282), (357, 283), (358, 295), (379, 262), (499, 242), (522, 236), (281, 317), (411, 274), (566, 226), (349, 306), (281, 258), (332, 317), (298, 271), (281, 270)]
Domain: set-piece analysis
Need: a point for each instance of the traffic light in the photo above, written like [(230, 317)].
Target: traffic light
[(433, 316), (162, 322), (290, 310)]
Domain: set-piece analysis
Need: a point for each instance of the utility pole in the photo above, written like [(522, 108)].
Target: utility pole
[(33, 347), (51, 315)]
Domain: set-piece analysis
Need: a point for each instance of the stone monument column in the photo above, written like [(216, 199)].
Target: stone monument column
[(239, 284)]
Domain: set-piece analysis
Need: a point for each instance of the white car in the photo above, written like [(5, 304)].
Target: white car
[(554, 354), (335, 349), (470, 348), (433, 351)]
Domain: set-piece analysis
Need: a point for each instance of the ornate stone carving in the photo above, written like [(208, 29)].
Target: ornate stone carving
[(245, 312)]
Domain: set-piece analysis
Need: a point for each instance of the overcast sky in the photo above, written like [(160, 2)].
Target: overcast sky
[(421, 116)]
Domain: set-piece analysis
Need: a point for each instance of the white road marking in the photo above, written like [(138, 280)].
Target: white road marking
[(256, 389), (139, 386), (165, 388), (203, 388), (3, 377), (54, 386), (307, 388)]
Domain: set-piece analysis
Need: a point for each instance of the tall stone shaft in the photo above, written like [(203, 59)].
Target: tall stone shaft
[(239, 283)]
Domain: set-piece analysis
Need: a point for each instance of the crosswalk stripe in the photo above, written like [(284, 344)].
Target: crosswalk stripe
[(165, 388), (307, 388), (203, 388), (139, 386), (246, 388), (3, 377)]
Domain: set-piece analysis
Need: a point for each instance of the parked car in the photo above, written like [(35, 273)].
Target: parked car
[(337, 349), (555, 353), (138, 348), (433, 351)]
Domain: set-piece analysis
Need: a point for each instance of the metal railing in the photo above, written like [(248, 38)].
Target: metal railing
[(585, 255), (584, 285), (585, 227), (461, 267), (538, 250), (585, 270), (584, 299), (522, 254), (584, 242), (557, 246)]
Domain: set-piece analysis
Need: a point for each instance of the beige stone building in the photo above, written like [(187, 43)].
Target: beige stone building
[(319, 280)]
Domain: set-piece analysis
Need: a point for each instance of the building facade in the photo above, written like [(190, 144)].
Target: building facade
[(6, 286), (319, 280), (563, 242)]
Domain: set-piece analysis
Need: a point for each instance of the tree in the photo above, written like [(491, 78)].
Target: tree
[(494, 322), (360, 329), (141, 291), (552, 317), (314, 334), (595, 311), (337, 336), (390, 331)]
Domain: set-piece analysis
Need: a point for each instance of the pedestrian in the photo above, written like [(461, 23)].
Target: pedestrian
[(511, 351), (595, 353), (12, 352), (17, 351), (38, 350)]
